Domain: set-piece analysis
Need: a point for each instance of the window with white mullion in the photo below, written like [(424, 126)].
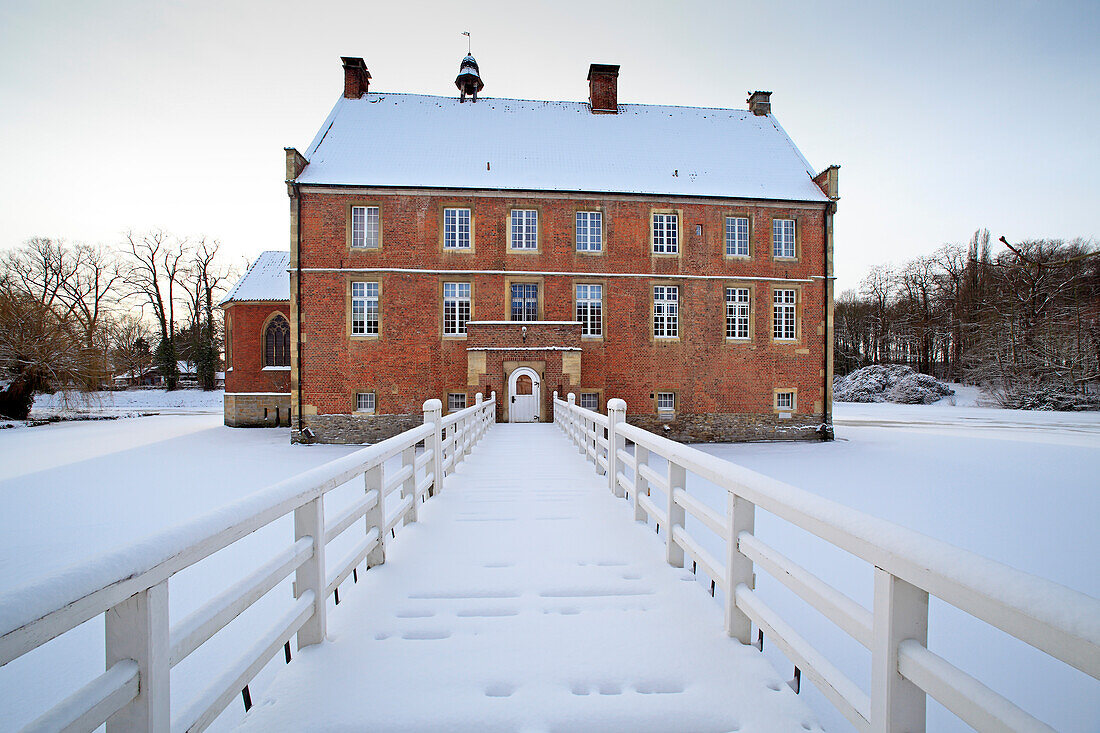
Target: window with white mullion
[(737, 236), (525, 301), (456, 308), (665, 233), (589, 231), (666, 401), (456, 401), (590, 401), (666, 311), (783, 315), (364, 402), (784, 400), (783, 244), (590, 309), (364, 226), (737, 313), (364, 308), (456, 228), (525, 228)]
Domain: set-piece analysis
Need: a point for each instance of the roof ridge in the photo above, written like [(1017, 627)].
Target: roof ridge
[(549, 101)]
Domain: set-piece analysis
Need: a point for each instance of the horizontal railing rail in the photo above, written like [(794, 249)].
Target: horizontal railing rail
[(908, 568), (130, 587)]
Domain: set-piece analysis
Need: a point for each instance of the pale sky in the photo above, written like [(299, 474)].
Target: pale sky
[(944, 116)]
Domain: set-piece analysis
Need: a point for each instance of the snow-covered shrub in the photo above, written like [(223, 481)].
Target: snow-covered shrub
[(1035, 397), (889, 383)]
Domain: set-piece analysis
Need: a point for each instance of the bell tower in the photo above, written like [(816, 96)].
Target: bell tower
[(468, 80)]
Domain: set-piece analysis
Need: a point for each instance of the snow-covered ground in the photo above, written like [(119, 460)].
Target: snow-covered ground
[(128, 403), (1020, 487)]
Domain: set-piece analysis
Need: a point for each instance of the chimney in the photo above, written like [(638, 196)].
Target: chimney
[(760, 103), (603, 88), (356, 77)]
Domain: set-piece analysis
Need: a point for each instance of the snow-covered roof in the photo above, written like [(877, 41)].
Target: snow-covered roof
[(385, 139), (266, 279)]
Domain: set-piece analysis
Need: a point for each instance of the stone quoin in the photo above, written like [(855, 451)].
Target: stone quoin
[(677, 258)]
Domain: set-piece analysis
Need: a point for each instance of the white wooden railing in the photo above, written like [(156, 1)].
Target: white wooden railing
[(908, 567), (130, 588)]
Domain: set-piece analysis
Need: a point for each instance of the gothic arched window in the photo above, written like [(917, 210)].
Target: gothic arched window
[(277, 343)]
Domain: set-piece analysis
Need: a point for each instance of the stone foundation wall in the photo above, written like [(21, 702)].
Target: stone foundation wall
[(354, 429), (257, 410), (733, 428)]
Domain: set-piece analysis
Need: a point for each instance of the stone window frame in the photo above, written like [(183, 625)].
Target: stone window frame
[(743, 285), (739, 214), (793, 391), (443, 233), (355, 401), (359, 278), (797, 219), (509, 281), (657, 402), (679, 213), (510, 249), (603, 231), (347, 224), (603, 306), (598, 393), (797, 288), (264, 366), (653, 337), (455, 393), (444, 280)]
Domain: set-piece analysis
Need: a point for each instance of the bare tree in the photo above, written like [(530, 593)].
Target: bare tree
[(38, 350), (157, 267), (130, 350)]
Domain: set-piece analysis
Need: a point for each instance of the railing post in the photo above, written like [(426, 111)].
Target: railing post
[(492, 416), (554, 409), (579, 437), (677, 477), (408, 486), (376, 515), (137, 629), (309, 521), (742, 518), (596, 430), (616, 413), (641, 483), (479, 417), (433, 414), (900, 613)]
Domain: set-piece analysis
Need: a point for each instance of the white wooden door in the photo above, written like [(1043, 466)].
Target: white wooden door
[(524, 390)]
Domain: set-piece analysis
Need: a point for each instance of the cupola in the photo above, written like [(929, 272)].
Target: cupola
[(468, 80)]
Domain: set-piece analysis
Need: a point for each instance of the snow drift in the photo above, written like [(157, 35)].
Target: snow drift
[(889, 383)]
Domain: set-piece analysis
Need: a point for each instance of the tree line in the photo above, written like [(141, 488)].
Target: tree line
[(72, 315), (1022, 321)]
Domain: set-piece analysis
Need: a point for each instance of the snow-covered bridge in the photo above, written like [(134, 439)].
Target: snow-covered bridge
[(526, 595)]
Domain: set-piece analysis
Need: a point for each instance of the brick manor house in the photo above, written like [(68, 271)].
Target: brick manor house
[(679, 258)]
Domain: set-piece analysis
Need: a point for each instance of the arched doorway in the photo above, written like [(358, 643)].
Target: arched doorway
[(524, 395)]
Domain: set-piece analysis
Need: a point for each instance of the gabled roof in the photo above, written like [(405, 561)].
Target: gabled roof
[(416, 140), (266, 279)]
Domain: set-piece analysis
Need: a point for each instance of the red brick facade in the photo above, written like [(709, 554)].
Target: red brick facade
[(244, 349), (255, 395), (411, 360)]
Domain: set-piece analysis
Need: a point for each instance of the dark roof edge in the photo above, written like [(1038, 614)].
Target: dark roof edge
[(518, 191)]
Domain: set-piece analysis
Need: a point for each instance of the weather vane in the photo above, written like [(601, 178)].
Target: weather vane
[(467, 34)]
